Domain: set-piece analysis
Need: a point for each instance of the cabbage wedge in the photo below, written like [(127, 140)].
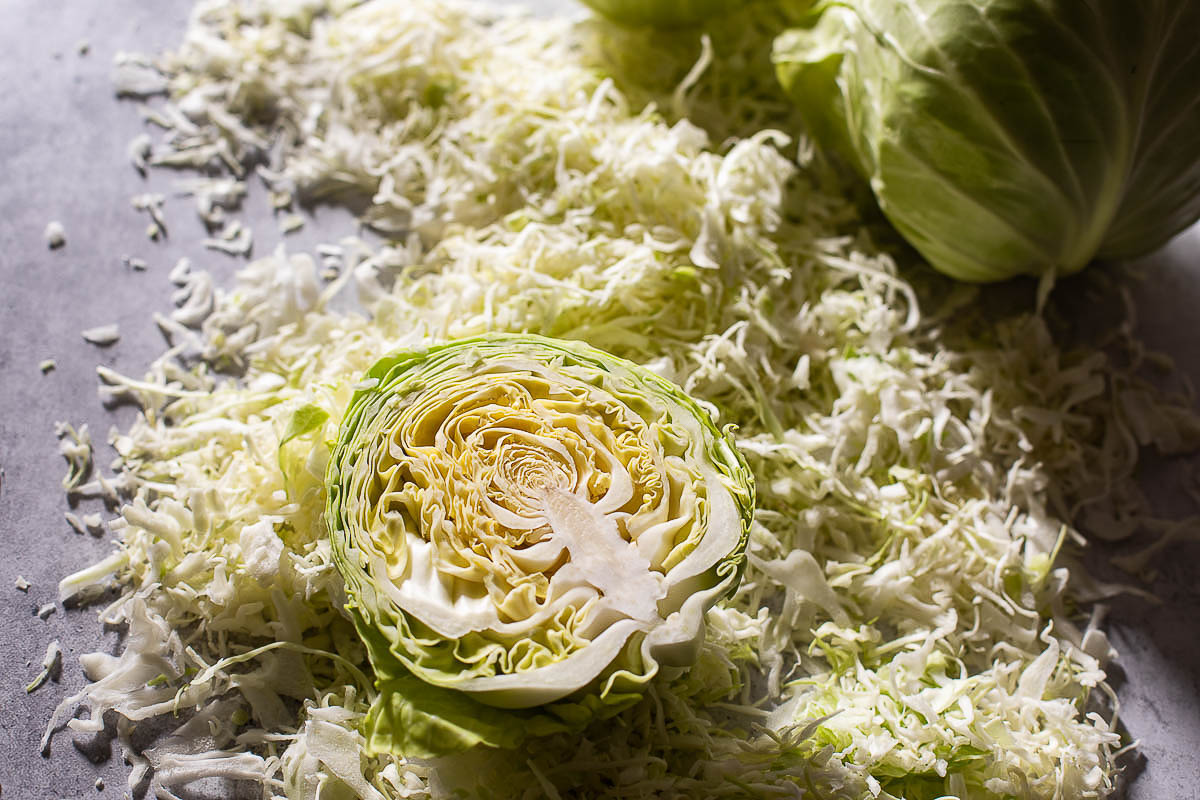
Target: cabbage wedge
[(529, 530)]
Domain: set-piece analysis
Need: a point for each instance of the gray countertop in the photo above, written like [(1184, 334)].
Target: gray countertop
[(63, 156)]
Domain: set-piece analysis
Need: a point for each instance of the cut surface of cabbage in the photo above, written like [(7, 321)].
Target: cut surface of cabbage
[(520, 520)]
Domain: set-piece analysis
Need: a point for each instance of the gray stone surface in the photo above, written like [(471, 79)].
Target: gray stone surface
[(63, 140)]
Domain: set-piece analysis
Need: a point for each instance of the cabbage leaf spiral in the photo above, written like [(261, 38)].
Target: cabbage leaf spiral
[(529, 530)]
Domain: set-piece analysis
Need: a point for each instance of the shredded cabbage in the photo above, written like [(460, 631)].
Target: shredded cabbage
[(904, 627)]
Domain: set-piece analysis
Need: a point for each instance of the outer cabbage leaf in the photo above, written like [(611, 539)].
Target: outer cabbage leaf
[(1006, 137), (424, 721), (528, 530)]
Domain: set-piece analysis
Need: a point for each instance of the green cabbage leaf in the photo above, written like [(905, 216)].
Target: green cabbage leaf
[(1008, 137), (529, 531)]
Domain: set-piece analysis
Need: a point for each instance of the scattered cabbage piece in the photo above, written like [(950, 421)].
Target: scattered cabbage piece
[(1013, 137), (524, 521), (76, 447), (133, 76), (55, 235), (102, 335), (51, 663)]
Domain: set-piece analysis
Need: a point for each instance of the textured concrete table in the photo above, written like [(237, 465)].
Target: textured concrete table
[(63, 142)]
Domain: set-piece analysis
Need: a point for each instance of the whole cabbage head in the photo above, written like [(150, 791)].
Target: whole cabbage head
[(1006, 137), (529, 530)]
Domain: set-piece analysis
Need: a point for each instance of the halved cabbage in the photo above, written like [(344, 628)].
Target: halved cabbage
[(663, 13), (526, 527)]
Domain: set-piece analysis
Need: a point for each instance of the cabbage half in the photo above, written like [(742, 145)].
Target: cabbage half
[(663, 13), (529, 530), (1006, 137)]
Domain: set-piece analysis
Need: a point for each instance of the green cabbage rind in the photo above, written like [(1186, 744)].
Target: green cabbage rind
[(1007, 137), (460, 674)]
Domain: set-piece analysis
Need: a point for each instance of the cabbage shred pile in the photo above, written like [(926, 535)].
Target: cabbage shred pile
[(905, 627)]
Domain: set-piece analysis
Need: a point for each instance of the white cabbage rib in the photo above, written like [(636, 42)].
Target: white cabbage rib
[(541, 506)]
